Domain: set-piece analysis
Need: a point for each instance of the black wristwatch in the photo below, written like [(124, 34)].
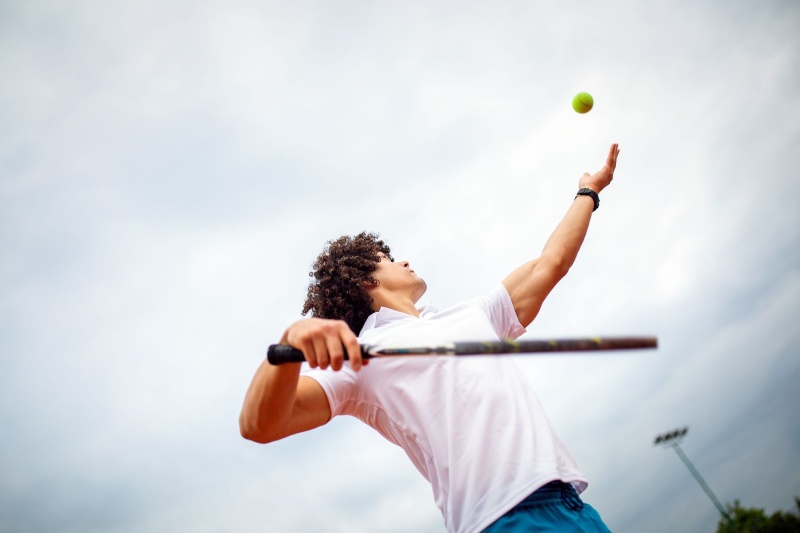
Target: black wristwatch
[(590, 192)]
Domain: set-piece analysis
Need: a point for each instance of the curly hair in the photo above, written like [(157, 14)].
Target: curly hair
[(341, 272)]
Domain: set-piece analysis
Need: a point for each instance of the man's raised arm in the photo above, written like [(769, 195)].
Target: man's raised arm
[(530, 284)]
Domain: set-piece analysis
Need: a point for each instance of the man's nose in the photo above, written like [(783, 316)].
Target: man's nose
[(404, 263)]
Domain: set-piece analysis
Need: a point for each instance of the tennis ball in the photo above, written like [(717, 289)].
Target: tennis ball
[(582, 103)]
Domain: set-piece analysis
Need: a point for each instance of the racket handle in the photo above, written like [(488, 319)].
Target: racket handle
[(279, 354)]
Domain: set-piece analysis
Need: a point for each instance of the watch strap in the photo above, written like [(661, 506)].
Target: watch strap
[(592, 195)]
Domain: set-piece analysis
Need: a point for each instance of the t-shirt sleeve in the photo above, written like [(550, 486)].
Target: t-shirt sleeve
[(340, 387), (498, 306)]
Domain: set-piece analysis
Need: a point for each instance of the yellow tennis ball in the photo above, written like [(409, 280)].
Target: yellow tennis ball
[(583, 102)]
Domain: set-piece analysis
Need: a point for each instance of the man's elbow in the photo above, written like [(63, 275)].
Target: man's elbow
[(555, 267), (251, 431)]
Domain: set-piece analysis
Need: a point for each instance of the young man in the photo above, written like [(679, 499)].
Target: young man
[(472, 426)]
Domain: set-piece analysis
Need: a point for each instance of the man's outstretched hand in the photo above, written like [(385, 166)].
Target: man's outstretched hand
[(602, 178)]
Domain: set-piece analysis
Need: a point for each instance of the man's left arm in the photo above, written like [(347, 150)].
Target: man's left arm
[(530, 283)]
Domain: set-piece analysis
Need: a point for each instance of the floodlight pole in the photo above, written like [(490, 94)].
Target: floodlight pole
[(673, 439)]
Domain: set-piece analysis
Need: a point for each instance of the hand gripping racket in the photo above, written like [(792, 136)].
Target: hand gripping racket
[(278, 354)]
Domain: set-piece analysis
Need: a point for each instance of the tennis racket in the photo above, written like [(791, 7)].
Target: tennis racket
[(278, 354)]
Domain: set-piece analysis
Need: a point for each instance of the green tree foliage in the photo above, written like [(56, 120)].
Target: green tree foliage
[(750, 520)]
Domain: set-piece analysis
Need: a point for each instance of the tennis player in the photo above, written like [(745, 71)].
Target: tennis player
[(472, 426)]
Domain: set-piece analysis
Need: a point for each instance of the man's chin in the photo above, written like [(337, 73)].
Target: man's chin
[(422, 287)]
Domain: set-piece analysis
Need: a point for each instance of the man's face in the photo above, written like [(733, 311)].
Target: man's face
[(397, 276)]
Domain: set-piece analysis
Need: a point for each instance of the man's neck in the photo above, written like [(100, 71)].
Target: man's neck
[(403, 305)]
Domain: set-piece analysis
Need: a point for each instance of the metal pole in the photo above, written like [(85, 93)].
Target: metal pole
[(699, 478), (673, 439)]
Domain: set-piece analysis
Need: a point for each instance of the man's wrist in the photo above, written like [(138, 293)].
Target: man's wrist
[(586, 191)]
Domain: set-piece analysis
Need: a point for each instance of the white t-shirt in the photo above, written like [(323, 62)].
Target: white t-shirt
[(472, 426)]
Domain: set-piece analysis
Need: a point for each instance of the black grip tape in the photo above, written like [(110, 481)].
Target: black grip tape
[(279, 354)]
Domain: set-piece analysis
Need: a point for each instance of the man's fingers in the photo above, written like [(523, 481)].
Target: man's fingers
[(346, 340), (324, 342), (311, 355), (321, 351), (353, 350), (335, 352), (611, 161)]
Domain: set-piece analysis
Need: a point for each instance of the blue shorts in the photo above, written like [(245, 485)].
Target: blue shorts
[(555, 508)]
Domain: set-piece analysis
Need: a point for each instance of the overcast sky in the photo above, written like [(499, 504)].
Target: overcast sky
[(169, 171)]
